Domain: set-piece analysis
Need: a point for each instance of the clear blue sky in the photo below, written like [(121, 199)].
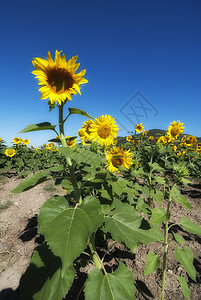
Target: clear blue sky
[(152, 48)]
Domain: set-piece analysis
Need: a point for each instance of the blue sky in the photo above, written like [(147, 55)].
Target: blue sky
[(143, 62)]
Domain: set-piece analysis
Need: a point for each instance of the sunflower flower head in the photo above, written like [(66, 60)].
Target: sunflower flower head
[(175, 129), (139, 128), (104, 130), (57, 77), (10, 152), (119, 157), (70, 142), (17, 140), (26, 142)]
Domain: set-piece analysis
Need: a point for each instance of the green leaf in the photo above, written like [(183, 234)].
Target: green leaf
[(190, 226), (31, 181), (178, 238), (159, 179), (158, 215), (159, 196), (119, 186), (45, 278), (115, 286), (67, 228), (152, 263), (126, 226), (39, 126), (184, 201), (73, 110), (184, 287), (185, 258)]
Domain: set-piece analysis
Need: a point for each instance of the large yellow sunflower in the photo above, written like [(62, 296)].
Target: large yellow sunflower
[(10, 152), (119, 157), (175, 129), (17, 140), (104, 130), (58, 78)]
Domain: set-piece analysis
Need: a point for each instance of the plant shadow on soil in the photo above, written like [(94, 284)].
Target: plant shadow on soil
[(112, 259)]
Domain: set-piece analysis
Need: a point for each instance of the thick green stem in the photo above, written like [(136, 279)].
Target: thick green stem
[(68, 160), (166, 242), (96, 259)]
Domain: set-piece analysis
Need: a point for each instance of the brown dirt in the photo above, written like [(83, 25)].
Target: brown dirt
[(18, 238)]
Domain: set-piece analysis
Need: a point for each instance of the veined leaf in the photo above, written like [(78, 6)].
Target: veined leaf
[(66, 228), (31, 181), (185, 258), (39, 126), (152, 263), (45, 278), (190, 226), (116, 286), (126, 226), (158, 215), (178, 238), (184, 201), (73, 110), (184, 287)]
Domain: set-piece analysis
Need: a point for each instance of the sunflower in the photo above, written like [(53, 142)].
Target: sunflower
[(119, 157), (17, 140), (57, 78), (10, 152), (145, 133), (85, 132), (175, 129), (139, 128), (198, 147), (26, 142), (70, 143), (104, 130), (129, 138)]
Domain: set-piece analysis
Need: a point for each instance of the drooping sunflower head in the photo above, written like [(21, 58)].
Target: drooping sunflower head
[(10, 152), (119, 157), (57, 77), (104, 130), (139, 128), (175, 129)]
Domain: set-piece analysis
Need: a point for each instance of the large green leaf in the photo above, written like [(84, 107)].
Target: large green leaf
[(116, 286), (158, 215), (73, 110), (45, 278), (190, 226), (119, 186), (184, 201), (126, 226), (38, 127), (185, 258), (184, 287), (66, 228), (152, 263), (31, 181)]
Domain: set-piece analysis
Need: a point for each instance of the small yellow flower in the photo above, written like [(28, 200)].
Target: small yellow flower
[(179, 153), (50, 145), (145, 133), (119, 157), (10, 152), (162, 139), (26, 142), (139, 128), (17, 140), (129, 138), (70, 143), (150, 138)]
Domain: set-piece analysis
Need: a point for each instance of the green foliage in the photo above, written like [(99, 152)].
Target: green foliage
[(184, 287), (152, 263), (117, 285), (185, 258)]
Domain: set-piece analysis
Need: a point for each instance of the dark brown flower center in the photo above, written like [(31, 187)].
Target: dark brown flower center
[(59, 78), (117, 161), (104, 131)]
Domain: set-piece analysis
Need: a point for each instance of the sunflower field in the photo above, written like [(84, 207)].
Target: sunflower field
[(122, 191)]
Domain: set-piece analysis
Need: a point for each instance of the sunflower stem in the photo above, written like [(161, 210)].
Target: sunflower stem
[(68, 160)]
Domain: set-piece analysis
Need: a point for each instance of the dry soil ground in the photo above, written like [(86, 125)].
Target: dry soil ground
[(18, 238)]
